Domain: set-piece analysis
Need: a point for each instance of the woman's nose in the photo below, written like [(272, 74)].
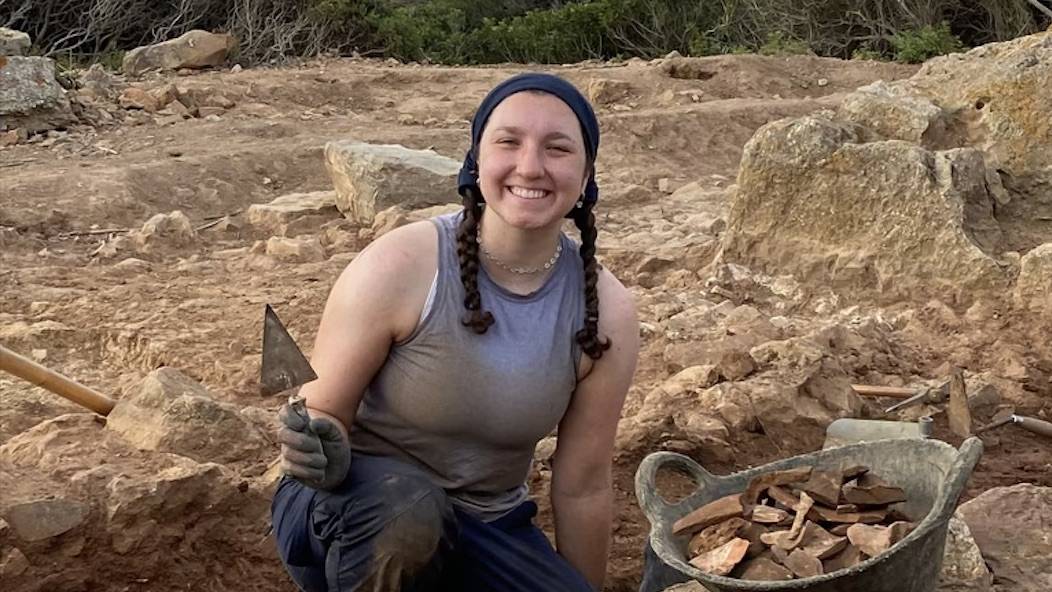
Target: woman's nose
[(530, 162)]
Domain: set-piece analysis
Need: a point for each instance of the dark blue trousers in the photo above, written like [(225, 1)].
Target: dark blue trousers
[(388, 528)]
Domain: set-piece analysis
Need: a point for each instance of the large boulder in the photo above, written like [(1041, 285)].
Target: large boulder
[(194, 49), (13, 43), (931, 185), (30, 97), (1013, 528), (963, 567), (373, 177), (170, 412), (818, 198)]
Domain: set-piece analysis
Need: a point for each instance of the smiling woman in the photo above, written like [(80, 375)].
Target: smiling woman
[(439, 370)]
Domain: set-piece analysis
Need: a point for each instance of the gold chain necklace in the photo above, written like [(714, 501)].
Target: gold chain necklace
[(519, 270)]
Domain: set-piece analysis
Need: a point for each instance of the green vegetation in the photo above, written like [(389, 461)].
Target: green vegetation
[(917, 45), (545, 31)]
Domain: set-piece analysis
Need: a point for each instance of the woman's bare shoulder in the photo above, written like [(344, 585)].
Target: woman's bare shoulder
[(393, 273)]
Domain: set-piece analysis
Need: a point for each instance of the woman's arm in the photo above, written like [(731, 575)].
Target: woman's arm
[(581, 491), (375, 302)]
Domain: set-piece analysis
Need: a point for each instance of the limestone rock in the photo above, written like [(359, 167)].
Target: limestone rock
[(963, 568), (815, 198), (1033, 289), (295, 249), (13, 564), (30, 96), (172, 413), (43, 519), (294, 212), (893, 113), (98, 82), (603, 91), (13, 43), (1002, 91), (145, 506), (173, 228), (372, 177), (194, 49), (396, 216), (1012, 527)]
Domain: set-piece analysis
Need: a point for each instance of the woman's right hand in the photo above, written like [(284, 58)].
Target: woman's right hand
[(314, 451)]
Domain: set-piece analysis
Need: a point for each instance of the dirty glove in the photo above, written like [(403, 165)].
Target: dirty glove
[(313, 451)]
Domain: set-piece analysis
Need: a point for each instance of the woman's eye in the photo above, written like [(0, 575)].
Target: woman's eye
[(559, 149)]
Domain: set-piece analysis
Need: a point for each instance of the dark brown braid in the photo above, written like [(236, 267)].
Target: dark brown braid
[(588, 338), (476, 319)]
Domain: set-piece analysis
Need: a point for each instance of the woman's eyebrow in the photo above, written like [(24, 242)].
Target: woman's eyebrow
[(518, 132)]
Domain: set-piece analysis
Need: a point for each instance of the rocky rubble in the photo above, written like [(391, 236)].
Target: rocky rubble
[(78, 495)]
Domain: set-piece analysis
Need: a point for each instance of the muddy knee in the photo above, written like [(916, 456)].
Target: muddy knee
[(421, 521)]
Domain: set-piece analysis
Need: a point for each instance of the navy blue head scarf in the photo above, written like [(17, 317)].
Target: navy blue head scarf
[(548, 83)]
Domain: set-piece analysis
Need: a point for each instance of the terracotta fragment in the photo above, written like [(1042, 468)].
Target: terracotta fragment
[(764, 569), (850, 556), (752, 533), (709, 514), (783, 497), (854, 472), (899, 530), (761, 483), (715, 536), (783, 539), (820, 513), (870, 490), (803, 564), (819, 542), (721, 560), (768, 515), (839, 529), (802, 508), (871, 539), (824, 487)]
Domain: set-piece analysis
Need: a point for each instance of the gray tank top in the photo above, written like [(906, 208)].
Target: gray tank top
[(469, 409)]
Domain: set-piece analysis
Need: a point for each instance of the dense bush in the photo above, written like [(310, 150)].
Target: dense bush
[(486, 31), (917, 45)]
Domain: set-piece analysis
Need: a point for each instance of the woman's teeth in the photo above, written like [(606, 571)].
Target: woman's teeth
[(527, 193)]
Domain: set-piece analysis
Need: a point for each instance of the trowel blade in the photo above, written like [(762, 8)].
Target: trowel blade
[(284, 365)]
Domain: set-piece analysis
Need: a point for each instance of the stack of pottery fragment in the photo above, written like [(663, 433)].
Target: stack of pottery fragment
[(796, 523)]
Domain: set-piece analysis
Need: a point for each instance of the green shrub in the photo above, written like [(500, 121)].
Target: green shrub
[(571, 33), (866, 53), (779, 43), (914, 46), (432, 31)]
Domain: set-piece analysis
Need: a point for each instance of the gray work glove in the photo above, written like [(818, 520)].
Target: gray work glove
[(313, 451)]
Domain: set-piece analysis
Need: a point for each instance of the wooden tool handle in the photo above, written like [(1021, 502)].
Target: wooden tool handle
[(29, 370), (893, 392), (1037, 426)]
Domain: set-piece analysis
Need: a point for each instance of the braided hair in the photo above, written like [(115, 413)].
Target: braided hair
[(479, 320)]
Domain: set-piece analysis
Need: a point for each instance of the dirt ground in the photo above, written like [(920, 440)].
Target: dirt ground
[(197, 306)]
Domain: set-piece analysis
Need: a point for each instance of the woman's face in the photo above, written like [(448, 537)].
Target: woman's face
[(532, 160)]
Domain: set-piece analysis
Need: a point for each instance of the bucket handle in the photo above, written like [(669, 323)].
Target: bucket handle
[(650, 500), (960, 471)]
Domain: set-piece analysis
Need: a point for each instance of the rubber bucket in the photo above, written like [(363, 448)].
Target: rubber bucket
[(932, 473)]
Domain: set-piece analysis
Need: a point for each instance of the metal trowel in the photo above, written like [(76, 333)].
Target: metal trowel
[(284, 366)]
